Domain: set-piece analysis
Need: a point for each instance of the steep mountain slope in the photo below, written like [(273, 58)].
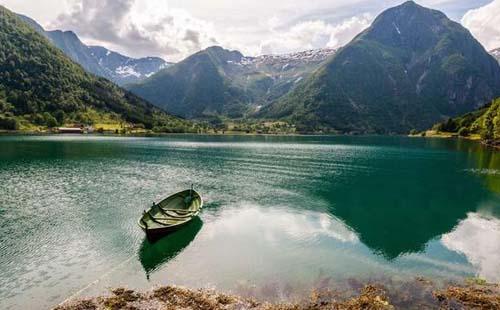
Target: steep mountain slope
[(410, 69), (69, 43), (217, 81), (99, 60), (196, 87), (39, 84)]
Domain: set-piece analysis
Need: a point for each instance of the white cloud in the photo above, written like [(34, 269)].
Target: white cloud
[(138, 28), (478, 238), (484, 24), (150, 28), (314, 34), (276, 224), (174, 29)]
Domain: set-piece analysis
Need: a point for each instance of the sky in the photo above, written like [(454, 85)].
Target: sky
[(174, 29)]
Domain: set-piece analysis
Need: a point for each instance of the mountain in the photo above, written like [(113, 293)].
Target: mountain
[(269, 77), (197, 86), (410, 69), (99, 60), (40, 85), (125, 70), (217, 81), (496, 53)]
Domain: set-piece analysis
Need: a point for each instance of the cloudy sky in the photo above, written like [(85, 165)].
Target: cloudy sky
[(173, 29)]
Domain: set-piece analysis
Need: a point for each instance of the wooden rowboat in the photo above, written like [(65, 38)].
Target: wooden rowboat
[(170, 214)]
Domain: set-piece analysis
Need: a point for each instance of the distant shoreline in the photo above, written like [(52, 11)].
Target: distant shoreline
[(151, 134), (428, 135), (220, 133)]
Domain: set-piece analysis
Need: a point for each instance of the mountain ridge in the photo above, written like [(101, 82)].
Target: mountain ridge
[(40, 85), (233, 85), (99, 60), (496, 53), (411, 68)]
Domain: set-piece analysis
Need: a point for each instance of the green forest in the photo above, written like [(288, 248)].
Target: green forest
[(40, 86), (484, 122)]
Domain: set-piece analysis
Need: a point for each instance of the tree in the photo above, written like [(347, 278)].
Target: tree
[(487, 133), (50, 121), (8, 123), (463, 132), (60, 116)]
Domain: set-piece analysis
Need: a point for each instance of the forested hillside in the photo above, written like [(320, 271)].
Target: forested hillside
[(412, 68), (40, 85), (484, 122)]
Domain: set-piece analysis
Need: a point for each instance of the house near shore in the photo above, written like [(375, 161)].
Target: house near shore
[(69, 130), (75, 129)]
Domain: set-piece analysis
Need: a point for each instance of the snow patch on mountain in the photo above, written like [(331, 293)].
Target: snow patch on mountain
[(496, 53), (127, 71), (316, 55)]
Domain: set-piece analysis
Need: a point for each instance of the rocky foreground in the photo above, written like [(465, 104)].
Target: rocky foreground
[(419, 294)]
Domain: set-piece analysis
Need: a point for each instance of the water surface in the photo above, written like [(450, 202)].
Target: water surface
[(282, 213)]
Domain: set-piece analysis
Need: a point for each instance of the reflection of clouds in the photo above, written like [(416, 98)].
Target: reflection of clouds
[(274, 224), (478, 238)]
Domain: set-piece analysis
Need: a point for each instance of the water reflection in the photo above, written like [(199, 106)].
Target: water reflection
[(478, 238), (284, 211), (154, 255), (409, 199)]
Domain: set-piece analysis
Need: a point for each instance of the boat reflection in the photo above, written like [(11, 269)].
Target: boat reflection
[(153, 255)]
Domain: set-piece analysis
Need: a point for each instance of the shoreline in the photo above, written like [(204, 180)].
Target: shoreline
[(451, 135), (156, 134), (230, 133), (426, 135), (419, 293)]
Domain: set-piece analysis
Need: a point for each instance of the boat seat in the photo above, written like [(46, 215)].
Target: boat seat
[(176, 214)]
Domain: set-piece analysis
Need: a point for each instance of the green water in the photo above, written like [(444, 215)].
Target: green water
[(282, 214)]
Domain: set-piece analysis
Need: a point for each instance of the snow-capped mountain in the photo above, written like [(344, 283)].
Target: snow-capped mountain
[(281, 73), (304, 57), (496, 53), (220, 81), (123, 69), (100, 61)]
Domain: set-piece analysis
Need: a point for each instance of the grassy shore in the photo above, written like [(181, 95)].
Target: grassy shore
[(445, 135), (495, 144), (416, 294)]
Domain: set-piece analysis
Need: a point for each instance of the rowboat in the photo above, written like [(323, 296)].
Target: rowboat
[(170, 214)]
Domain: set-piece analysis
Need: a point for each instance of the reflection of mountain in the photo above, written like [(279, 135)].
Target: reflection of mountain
[(484, 160), (398, 210), (153, 256), (489, 163)]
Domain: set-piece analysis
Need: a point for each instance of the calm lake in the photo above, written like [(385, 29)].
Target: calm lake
[(282, 213)]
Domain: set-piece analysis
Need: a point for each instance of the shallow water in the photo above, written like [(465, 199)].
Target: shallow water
[(281, 213)]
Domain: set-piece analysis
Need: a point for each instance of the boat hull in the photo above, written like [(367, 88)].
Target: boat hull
[(170, 214), (158, 233)]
